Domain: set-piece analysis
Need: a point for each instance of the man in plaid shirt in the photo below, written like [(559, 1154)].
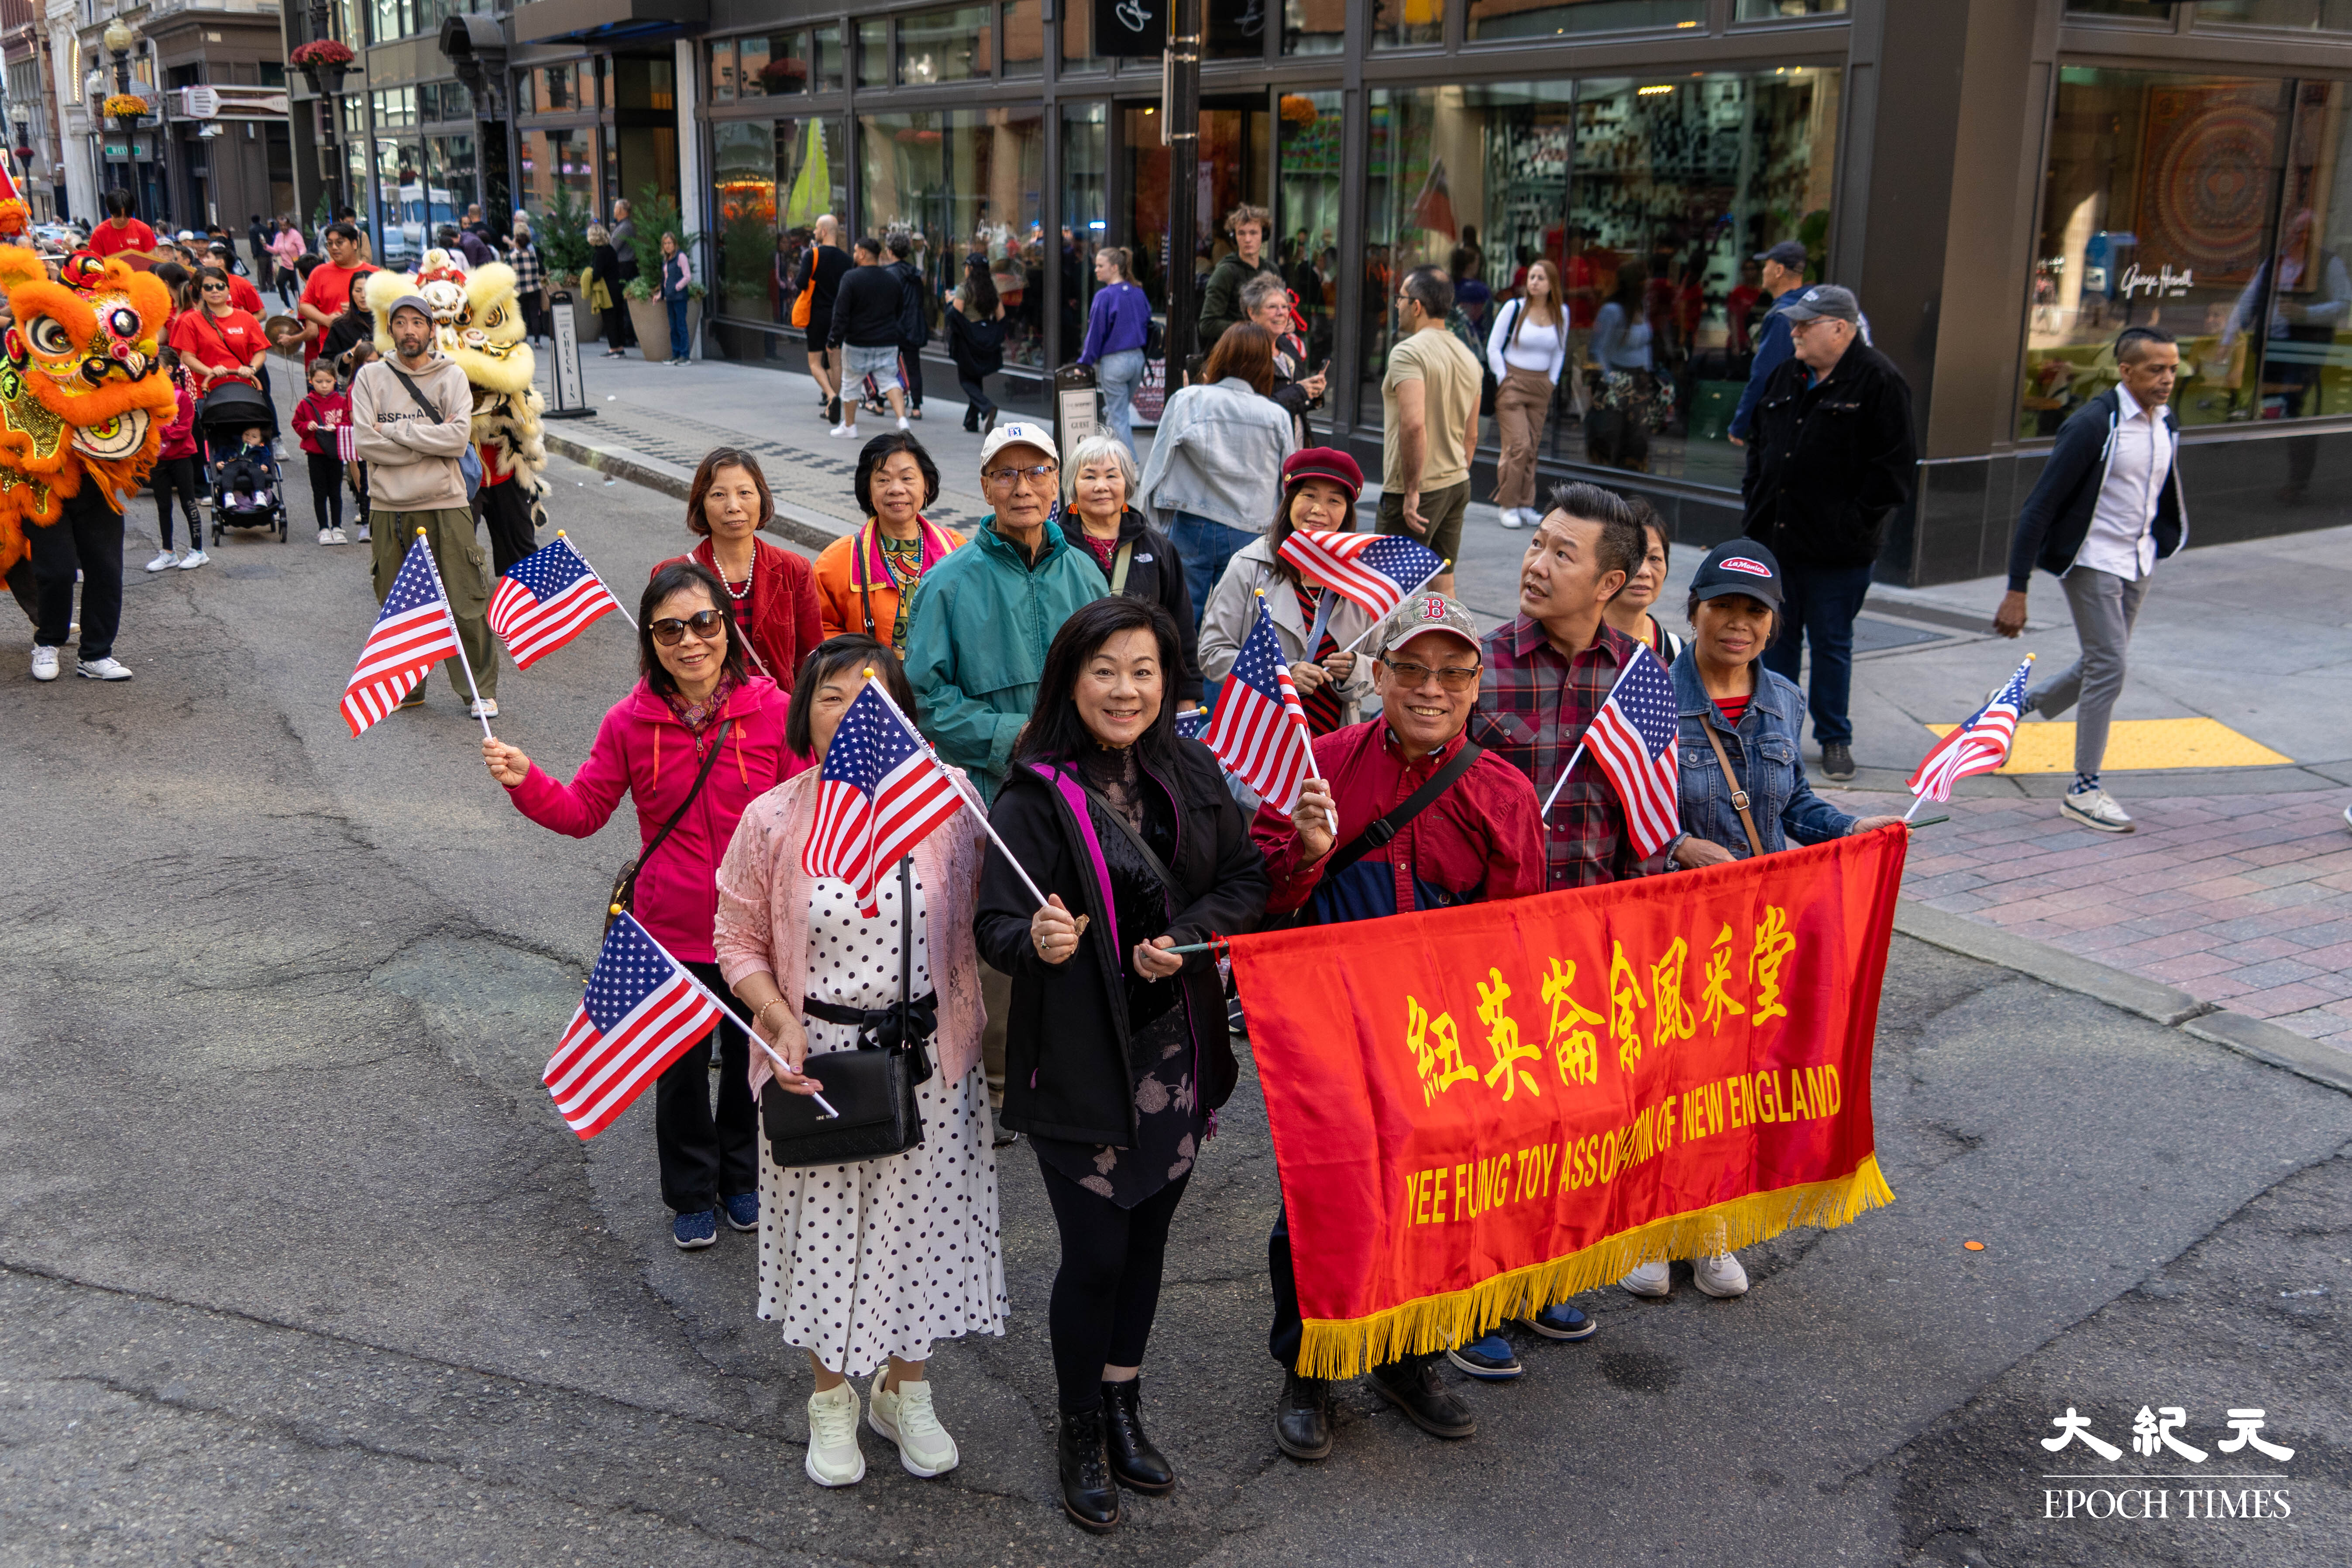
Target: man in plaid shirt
[(1547, 674)]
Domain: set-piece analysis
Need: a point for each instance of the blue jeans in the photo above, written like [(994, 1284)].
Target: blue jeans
[(1819, 607), (1118, 374), (1205, 547), (680, 343)]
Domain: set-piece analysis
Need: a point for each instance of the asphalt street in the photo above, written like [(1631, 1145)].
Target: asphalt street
[(298, 1265)]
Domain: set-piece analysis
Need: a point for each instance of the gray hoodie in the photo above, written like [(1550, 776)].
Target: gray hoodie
[(412, 453)]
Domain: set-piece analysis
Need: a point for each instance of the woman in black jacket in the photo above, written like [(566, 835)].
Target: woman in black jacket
[(604, 262), (1116, 1053), (1135, 556), (975, 320)]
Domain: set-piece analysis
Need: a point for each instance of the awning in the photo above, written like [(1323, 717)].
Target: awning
[(542, 21)]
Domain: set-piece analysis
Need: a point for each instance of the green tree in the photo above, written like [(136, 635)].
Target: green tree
[(656, 215), (563, 232)]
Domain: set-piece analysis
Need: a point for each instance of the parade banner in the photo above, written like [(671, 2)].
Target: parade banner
[(1477, 1112)]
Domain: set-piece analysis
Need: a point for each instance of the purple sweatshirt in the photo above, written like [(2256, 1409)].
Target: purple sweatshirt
[(1120, 320)]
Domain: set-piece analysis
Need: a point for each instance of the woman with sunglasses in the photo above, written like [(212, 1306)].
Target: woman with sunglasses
[(771, 591), (219, 342), (699, 740)]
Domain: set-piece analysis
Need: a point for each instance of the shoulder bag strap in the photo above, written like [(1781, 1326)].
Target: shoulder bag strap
[(1387, 828), (718, 743), (1119, 565), (1739, 795), (422, 407), (863, 573)]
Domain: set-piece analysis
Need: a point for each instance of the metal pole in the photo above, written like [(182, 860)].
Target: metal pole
[(1180, 109)]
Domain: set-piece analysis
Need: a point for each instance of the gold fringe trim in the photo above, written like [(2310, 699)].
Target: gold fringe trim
[(1344, 1347)]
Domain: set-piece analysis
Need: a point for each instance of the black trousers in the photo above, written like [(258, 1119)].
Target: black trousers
[(1106, 1291), (617, 332), (176, 477), (88, 538), (326, 487), (910, 371), (705, 1158), (505, 509), (1290, 1330), (975, 393)]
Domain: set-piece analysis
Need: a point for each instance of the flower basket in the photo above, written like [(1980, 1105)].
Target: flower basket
[(126, 107), (321, 52)]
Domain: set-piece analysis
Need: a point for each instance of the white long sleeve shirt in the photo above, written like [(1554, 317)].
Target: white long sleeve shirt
[(2121, 540), (1534, 346)]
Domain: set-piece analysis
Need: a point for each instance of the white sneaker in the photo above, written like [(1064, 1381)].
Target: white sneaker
[(163, 562), (2095, 808), (846, 432), (45, 663), (833, 1460), (902, 424), (109, 668), (326, 536), (2348, 817), (192, 559), (1652, 1281), (906, 1419), (1720, 1276), (342, 538), (482, 708), (364, 535)]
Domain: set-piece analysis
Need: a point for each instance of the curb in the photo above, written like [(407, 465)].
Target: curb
[(2257, 1037), (669, 480)]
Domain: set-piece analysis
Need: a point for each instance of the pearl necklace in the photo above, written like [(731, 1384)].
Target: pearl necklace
[(730, 586)]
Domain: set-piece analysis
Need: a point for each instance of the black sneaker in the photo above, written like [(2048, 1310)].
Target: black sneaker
[(1489, 1360), (1837, 762)]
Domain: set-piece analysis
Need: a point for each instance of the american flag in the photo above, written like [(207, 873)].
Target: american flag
[(347, 443), (1979, 746), (642, 1010), (880, 793), (1259, 731), (1378, 571), (545, 600), (413, 633), (1633, 740)]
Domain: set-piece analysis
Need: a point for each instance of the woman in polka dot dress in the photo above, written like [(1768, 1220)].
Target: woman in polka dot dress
[(866, 1265)]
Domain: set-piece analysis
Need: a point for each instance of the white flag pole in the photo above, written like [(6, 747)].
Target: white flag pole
[(1578, 755), (1442, 567), (608, 586), (450, 612), (727, 1010), (963, 790)]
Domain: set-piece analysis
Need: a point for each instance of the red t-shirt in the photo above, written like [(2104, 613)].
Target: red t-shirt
[(1733, 710), (329, 291), (106, 239), (243, 295), (222, 342)]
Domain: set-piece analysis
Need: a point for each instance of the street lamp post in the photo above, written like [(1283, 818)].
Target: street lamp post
[(120, 40), (324, 59)]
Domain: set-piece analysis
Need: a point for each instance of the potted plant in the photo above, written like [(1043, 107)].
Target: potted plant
[(323, 61), (563, 245), (656, 215)]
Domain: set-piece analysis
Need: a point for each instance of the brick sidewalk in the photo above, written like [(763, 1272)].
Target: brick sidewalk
[(2242, 900)]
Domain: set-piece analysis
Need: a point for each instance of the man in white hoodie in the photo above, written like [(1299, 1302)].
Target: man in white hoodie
[(413, 418)]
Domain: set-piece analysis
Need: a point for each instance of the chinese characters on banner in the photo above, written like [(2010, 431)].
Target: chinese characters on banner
[(1479, 1111)]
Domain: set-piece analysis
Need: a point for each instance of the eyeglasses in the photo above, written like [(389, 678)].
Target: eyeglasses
[(215, 288), (1452, 676), (705, 624), (1041, 474)]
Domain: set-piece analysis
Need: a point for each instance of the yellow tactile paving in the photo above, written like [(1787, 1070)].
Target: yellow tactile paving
[(2049, 748)]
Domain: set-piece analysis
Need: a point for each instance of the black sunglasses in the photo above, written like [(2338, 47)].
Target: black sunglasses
[(704, 624)]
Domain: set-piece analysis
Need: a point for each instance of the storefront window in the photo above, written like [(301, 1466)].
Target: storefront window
[(874, 54), (828, 58), (1306, 211), (2309, 16), (771, 181), (1408, 24), (452, 185), (557, 158), (443, 100), (1024, 38), (1491, 20), (1774, 10), (557, 91), (2158, 209), (1078, 39), (2145, 10), (771, 65), (966, 183), (722, 54), (1086, 188), (946, 46)]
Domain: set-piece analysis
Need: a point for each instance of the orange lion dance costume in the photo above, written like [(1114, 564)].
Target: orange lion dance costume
[(81, 398)]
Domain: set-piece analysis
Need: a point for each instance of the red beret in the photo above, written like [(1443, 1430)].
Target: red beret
[(1323, 463)]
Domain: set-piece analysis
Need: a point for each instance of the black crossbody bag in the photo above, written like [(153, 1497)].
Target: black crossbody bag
[(625, 880), (1387, 828), (872, 1085)]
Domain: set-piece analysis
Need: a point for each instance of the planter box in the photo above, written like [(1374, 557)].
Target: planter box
[(652, 323)]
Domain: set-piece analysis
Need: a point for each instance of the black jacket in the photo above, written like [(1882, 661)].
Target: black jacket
[(977, 347), (1827, 462), (825, 266), (914, 323), (1221, 297), (2056, 518), (865, 309), (1156, 573), (1066, 1069)]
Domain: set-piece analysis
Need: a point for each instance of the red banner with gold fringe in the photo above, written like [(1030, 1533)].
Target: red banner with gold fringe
[(1479, 1111)]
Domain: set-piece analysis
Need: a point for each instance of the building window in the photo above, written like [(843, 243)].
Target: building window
[(772, 65), (1408, 24), (720, 62), (1491, 20), (1305, 238), (955, 45), (2304, 16), (829, 58), (2158, 209), (1086, 194), (2143, 10), (1024, 38), (874, 54), (1313, 27), (553, 160), (1078, 39), (964, 183), (452, 185), (771, 179), (1778, 10)]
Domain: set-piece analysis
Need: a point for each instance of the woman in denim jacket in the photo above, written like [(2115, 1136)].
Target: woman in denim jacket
[(1721, 686)]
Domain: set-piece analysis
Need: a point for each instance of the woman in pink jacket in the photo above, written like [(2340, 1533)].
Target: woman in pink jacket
[(175, 475), (700, 740)]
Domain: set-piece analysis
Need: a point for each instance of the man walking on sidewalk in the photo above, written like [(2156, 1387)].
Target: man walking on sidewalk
[(1782, 278), (1831, 456), (866, 313), (2106, 509)]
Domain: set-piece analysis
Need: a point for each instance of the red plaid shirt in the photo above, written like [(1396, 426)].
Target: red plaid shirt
[(1533, 707)]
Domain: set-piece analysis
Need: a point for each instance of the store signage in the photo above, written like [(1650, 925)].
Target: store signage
[(1133, 28), (199, 103)]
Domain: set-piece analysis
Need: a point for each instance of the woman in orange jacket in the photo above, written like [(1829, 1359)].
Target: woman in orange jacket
[(865, 581)]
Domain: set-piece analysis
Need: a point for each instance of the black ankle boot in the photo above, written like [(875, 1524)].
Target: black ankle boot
[(1133, 1460), (1089, 1495), (1302, 1421)]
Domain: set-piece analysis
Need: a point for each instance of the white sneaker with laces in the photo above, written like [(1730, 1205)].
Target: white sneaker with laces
[(192, 559), (846, 432), (833, 1460), (1720, 1276), (45, 663), (342, 538), (364, 535), (906, 1418), (482, 708), (1652, 1281), (1510, 517), (2095, 808), (163, 562), (109, 668), (326, 536)]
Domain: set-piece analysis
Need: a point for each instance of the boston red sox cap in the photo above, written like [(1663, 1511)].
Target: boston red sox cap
[(1739, 566)]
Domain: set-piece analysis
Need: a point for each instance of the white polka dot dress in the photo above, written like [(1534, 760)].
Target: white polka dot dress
[(883, 1258)]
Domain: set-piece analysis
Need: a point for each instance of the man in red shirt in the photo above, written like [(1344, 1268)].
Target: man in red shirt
[(329, 291), (120, 233), (1409, 814), (241, 293)]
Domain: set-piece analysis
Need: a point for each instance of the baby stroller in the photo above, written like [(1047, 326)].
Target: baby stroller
[(246, 493)]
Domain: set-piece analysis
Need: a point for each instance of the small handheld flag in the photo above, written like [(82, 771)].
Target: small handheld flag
[(545, 600), (413, 633), (1378, 571), (1980, 745), (641, 1012), (1259, 731), (881, 793), (1634, 740)]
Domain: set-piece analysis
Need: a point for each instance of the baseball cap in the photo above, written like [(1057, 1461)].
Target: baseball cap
[(1428, 613), (1323, 463), (1825, 300), (1788, 253), (1018, 433), (1739, 566), (417, 302)]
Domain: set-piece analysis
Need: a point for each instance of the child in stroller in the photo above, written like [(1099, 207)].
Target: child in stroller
[(241, 474), (247, 481)]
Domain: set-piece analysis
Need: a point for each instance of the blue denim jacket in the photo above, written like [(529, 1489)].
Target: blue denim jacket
[(1763, 752)]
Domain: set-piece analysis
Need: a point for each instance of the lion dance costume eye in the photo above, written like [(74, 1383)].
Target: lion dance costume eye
[(81, 399)]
